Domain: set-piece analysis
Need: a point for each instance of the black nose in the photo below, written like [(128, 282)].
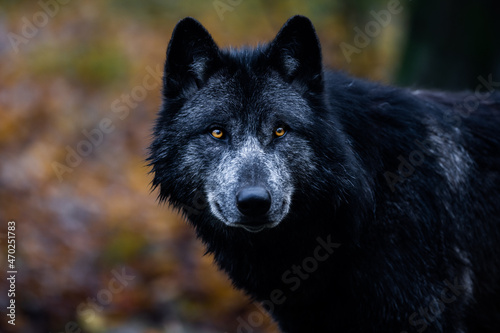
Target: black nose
[(253, 201)]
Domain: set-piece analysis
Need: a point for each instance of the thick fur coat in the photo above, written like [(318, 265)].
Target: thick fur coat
[(340, 204)]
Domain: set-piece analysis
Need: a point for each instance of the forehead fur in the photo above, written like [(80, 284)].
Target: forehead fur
[(244, 94)]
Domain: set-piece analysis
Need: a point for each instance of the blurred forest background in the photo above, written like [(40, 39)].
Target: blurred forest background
[(95, 253)]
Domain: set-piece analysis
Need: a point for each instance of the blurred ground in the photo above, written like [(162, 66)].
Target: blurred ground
[(79, 89)]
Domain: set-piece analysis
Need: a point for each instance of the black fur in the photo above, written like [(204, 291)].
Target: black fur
[(405, 185)]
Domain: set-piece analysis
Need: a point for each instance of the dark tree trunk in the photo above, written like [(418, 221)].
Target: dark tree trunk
[(450, 43)]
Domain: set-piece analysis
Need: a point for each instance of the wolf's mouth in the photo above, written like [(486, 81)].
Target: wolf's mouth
[(255, 227), (233, 216), (251, 228)]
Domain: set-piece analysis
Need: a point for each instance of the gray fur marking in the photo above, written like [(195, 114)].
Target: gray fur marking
[(453, 159), (265, 168)]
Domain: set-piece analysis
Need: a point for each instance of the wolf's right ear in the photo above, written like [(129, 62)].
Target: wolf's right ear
[(296, 52), (190, 53)]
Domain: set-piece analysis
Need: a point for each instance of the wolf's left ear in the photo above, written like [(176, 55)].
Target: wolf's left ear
[(296, 52), (190, 54)]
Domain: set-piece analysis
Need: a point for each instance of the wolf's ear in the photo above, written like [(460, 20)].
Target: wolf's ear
[(190, 54), (296, 52)]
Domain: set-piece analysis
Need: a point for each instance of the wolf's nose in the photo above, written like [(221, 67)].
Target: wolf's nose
[(253, 201)]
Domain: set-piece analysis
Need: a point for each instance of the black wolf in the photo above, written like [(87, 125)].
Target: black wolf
[(342, 205)]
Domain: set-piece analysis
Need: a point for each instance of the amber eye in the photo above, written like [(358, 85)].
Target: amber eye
[(217, 133), (279, 132)]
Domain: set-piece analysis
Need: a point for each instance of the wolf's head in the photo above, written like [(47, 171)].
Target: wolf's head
[(238, 128)]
